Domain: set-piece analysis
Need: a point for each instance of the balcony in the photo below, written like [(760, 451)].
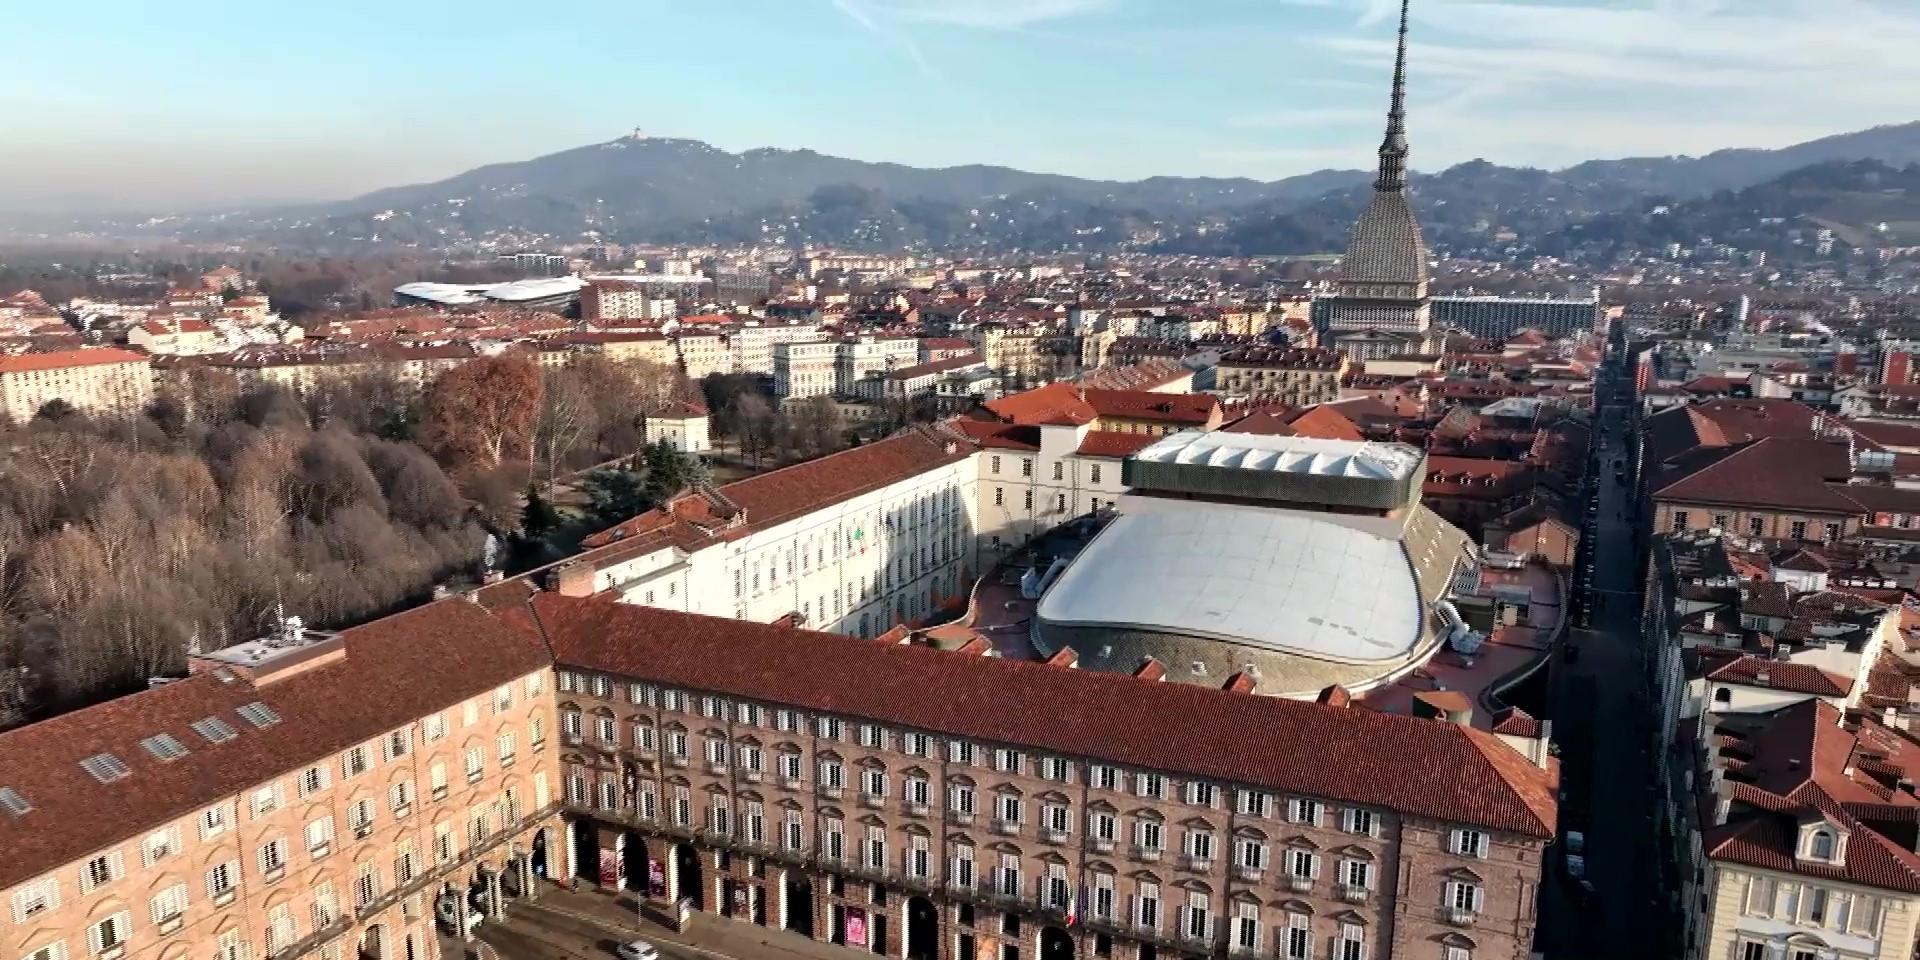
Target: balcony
[(171, 924), (1459, 916), (716, 768), (1353, 893), (832, 793), (1248, 874), (914, 809), (1146, 854), (1197, 864), (320, 937), (1100, 844), (1006, 828), (1055, 837), (363, 830), (790, 783), (676, 761), (320, 850), (960, 819), (1299, 883), (749, 776), (873, 801)]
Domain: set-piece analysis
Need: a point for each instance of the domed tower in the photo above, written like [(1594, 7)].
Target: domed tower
[(1382, 287)]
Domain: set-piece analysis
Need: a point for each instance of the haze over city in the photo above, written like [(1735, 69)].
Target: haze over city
[(218, 104)]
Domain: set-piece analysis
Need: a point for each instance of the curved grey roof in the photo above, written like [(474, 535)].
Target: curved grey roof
[(1325, 586), (1385, 246)]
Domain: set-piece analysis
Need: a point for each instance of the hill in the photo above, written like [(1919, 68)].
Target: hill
[(684, 191)]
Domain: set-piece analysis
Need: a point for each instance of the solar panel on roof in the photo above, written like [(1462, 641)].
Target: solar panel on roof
[(258, 714), (105, 767), (214, 729), (13, 802), (164, 746)]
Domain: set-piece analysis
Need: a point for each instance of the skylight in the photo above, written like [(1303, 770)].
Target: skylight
[(258, 714), (105, 767), (214, 729), (164, 746), (12, 802)]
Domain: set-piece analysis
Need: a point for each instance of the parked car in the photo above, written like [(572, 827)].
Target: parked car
[(1576, 866), (1576, 842), (637, 950)]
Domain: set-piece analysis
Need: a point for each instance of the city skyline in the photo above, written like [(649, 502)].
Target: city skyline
[(1263, 90)]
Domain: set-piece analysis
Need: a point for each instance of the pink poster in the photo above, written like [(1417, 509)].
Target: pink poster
[(856, 927), (609, 868)]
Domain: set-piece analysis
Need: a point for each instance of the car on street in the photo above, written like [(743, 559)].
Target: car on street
[(637, 950), (1576, 866)]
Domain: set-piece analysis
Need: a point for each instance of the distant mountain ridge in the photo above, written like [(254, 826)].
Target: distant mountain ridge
[(676, 190)]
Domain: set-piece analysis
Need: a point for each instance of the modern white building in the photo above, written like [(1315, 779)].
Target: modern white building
[(853, 543)]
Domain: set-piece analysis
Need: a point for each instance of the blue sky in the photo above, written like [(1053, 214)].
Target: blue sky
[(209, 102)]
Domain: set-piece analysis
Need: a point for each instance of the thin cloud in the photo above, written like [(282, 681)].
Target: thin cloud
[(984, 14)]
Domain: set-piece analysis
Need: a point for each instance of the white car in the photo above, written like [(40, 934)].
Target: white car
[(637, 950)]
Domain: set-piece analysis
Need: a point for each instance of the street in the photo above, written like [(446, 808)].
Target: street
[(1600, 715)]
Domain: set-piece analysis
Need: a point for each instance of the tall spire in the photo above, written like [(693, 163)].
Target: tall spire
[(1393, 149)]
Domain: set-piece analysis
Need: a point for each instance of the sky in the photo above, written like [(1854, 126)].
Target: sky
[(198, 104)]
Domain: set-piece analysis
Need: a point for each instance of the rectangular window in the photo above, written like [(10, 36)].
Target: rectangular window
[(109, 934), (35, 898), (1254, 803), (1305, 811), (1470, 843), (1149, 785), (168, 904)]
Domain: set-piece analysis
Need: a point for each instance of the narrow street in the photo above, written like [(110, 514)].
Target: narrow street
[(1600, 714), (588, 925)]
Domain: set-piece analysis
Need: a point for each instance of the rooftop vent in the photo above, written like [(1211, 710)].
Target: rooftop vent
[(104, 767), (12, 802), (214, 729), (164, 746), (258, 714)]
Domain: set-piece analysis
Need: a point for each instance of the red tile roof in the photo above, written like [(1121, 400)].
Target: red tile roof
[(1805, 763), (63, 359), (395, 670), (783, 494), (1349, 755), (1113, 443)]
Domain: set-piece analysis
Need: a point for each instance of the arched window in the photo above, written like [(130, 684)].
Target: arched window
[(1723, 695), (1821, 845)]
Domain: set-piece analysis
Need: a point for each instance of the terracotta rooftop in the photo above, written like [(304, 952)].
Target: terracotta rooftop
[(394, 670), (1350, 755)]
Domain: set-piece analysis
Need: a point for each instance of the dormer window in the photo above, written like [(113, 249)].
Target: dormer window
[(1821, 845), (1822, 842)]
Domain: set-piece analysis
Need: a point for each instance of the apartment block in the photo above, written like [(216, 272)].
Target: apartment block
[(102, 381), (752, 771), (303, 796)]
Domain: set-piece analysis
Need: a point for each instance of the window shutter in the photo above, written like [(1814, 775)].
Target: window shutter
[(93, 939), (1346, 820), (1313, 861)]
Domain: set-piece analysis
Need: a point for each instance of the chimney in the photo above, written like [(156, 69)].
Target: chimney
[(1722, 801), (573, 579), (1334, 696), (1541, 749), (1064, 657), (1150, 669), (1239, 682)]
